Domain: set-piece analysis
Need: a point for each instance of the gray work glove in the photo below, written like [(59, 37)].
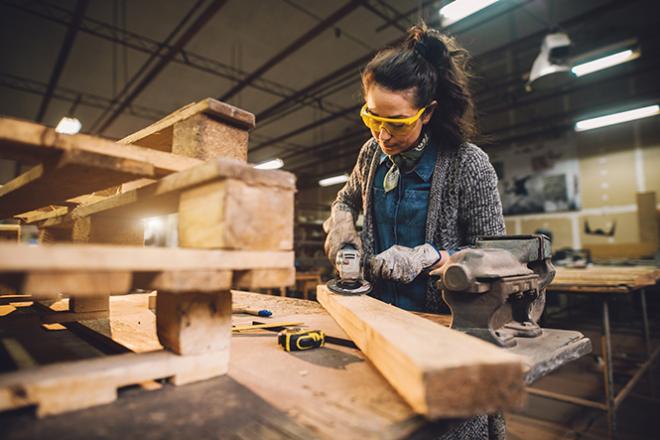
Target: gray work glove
[(341, 231), (403, 264)]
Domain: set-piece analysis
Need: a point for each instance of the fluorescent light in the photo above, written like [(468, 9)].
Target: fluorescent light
[(605, 62), (68, 126), (270, 164), (333, 180), (459, 9), (616, 118)]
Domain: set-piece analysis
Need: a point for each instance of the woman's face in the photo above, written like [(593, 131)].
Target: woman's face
[(390, 104)]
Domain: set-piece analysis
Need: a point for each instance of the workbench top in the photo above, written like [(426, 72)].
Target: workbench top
[(332, 392)]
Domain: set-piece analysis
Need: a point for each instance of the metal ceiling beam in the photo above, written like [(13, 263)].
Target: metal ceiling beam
[(525, 40), (293, 47), (152, 58), (63, 16), (395, 20), (187, 35), (70, 95), (603, 83), (387, 19), (62, 57), (307, 127)]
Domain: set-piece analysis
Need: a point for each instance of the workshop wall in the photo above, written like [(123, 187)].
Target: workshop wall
[(614, 165)]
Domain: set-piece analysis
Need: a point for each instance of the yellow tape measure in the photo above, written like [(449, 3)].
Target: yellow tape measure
[(297, 339)]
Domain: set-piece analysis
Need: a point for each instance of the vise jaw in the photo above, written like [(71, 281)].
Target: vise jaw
[(496, 289)]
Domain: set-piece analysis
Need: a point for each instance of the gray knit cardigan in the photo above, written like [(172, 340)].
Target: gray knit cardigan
[(463, 205), (463, 201)]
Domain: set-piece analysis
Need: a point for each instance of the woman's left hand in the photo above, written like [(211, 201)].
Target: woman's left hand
[(403, 264)]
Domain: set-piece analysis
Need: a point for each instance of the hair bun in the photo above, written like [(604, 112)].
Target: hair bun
[(431, 48)]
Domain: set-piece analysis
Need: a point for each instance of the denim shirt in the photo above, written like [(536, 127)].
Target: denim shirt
[(400, 218)]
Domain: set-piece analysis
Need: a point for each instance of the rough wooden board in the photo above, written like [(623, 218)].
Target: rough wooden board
[(108, 258), (440, 372), (74, 173), (32, 143), (70, 386), (204, 137), (181, 281), (194, 323), (257, 278), (108, 230), (606, 279), (50, 283), (162, 197), (159, 134), (233, 215)]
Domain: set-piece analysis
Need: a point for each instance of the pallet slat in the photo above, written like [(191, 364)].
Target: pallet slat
[(74, 173), (70, 386)]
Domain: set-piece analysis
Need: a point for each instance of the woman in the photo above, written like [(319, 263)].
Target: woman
[(424, 190)]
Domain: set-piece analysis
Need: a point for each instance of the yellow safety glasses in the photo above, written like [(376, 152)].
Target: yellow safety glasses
[(394, 126)]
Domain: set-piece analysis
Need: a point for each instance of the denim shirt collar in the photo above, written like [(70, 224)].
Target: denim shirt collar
[(425, 166)]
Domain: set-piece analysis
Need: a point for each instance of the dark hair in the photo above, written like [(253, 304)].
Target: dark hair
[(435, 66)]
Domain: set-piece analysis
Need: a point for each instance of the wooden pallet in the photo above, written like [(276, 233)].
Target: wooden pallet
[(235, 230), (70, 166)]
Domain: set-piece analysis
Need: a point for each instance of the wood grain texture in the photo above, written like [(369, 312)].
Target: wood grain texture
[(162, 197), (35, 143), (108, 258), (70, 386), (159, 134), (194, 323), (231, 214), (204, 137), (605, 279), (73, 173), (440, 372), (260, 278)]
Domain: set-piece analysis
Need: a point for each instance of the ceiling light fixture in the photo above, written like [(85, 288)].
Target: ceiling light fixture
[(333, 180), (617, 118), (459, 9), (270, 164), (551, 67), (68, 125), (604, 62)]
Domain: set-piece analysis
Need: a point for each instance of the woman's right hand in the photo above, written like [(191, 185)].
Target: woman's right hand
[(341, 231)]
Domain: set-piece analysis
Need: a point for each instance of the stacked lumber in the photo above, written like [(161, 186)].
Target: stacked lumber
[(235, 229), (613, 279)]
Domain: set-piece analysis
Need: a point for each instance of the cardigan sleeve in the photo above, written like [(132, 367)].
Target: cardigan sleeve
[(481, 207)]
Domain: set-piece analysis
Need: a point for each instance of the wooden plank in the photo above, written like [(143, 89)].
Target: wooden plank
[(70, 386), (260, 278), (440, 372), (205, 137), (34, 143), (108, 258), (50, 283), (233, 215), (194, 323), (162, 197), (76, 172), (159, 134)]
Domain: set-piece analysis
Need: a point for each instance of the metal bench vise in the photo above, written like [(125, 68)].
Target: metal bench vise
[(496, 289)]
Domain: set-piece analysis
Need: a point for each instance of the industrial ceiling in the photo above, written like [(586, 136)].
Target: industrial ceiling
[(120, 65)]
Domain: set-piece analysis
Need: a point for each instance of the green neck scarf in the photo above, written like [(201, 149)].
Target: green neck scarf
[(405, 162)]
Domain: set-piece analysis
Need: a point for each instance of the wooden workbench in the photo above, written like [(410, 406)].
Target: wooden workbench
[(605, 283), (332, 392)]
